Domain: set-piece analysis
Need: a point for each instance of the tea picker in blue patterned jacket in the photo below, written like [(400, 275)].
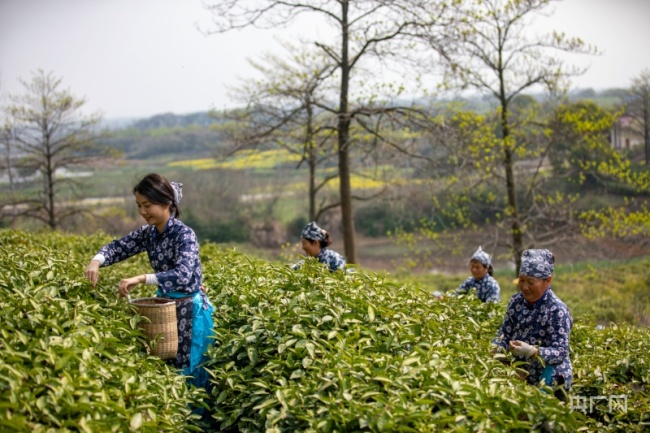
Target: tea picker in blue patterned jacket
[(315, 242), (537, 325), (482, 280), (173, 252)]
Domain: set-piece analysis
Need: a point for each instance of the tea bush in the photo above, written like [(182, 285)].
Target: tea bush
[(71, 357), (614, 363), (316, 351), (304, 350)]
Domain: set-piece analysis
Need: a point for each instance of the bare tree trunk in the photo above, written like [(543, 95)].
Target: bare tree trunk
[(646, 128), (309, 136), (49, 186), (511, 188), (343, 145), (10, 175), (515, 228)]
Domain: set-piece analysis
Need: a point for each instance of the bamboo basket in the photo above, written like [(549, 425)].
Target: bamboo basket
[(162, 322)]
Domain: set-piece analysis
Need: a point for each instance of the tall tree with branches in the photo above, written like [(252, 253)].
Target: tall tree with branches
[(364, 30), (49, 135), (283, 108), (490, 51)]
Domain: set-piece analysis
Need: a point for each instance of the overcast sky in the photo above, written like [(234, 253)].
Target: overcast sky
[(137, 58)]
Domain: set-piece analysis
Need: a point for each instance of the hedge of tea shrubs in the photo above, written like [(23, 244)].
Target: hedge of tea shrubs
[(304, 350), (318, 351), (71, 357)]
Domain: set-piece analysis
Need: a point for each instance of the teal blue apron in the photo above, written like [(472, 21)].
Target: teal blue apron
[(547, 375), (202, 330)]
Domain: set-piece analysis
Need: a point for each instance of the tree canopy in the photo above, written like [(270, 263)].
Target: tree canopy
[(49, 135)]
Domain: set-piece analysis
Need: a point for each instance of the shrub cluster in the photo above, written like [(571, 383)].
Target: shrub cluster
[(304, 350), (72, 358), (319, 351)]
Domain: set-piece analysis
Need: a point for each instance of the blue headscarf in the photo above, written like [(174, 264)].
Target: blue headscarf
[(178, 192), (313, 232), (482, 257), (537, 263)]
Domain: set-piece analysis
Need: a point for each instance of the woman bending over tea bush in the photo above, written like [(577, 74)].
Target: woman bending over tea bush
[(314, 242), (537, 325), (173, 252), (487, 288)]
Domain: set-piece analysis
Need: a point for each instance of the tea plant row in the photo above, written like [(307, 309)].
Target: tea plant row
[(305, 350)]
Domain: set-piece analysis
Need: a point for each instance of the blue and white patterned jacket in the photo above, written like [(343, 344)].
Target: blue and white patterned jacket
[(487, 288), (173, 254), (547, 324), (332, 259)]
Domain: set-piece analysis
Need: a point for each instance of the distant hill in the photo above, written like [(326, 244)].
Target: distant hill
[(165, 134), (171, 120), (194, 134), (117, 123), (472, 101)]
